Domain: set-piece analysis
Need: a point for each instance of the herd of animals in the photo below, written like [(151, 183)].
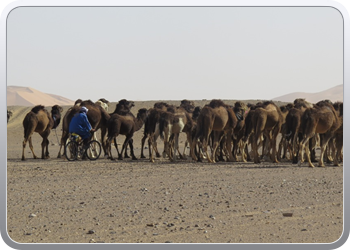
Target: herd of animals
[(226, 130)]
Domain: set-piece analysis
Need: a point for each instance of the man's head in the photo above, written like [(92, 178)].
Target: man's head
[(83, 109)]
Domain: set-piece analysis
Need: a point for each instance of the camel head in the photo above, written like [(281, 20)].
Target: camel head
[(187, 105), (104, 101), (196, 112), (77, 102), (123, 107), (142, 114), (241, 110), (338, 106), (161, 105), (56, 111)]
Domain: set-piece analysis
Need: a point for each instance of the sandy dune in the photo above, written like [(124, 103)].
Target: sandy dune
[(334, 94), (27, 96)]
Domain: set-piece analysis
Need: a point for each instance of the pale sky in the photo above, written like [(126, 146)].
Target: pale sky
[(173, 53)]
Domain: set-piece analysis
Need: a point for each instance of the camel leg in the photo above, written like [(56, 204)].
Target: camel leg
[(131, 145), (45, 147), (64, 138), (307, 151), (324, 144), (193, 150), (215, 145), (142, 145), (116, 146), (125, 144), (303, 147), (229, 145), (273, 143), (109, 148), (103, 141), (150, 149), (30, 146), (255, 148)]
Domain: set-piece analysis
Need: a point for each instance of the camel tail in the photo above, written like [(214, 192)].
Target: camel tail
[(29, 126), (260, 122), (162, 124)]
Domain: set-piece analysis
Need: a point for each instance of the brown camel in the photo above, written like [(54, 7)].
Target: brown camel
[(124, 125), (322, 119), (172, 124), (292, 126), (283, 145), (337, 154), (219, 118), (267, 120), (97, 116), (151, 130), (241, 110), (335, 144), (39, 120)]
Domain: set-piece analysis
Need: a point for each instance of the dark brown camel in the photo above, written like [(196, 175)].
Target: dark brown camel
[(267, 120), (322, 119), (151, 130), (124, 125), (39, 120), (292, 126), (219, 118), (97, 116), (241, 111), (283, 145)]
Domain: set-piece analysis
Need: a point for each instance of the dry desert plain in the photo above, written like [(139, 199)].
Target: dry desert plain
[(104, 201)]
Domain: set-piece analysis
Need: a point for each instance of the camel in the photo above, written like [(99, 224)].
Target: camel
[(97, 116), (219, 118), (322, 119), (39, 120), (334, 148), (124, 125), (9, 114), (283, 145), (337, 153), (267, 120), (292, 128), (241, 110), (103, 103), (172, 124), (151, 130)]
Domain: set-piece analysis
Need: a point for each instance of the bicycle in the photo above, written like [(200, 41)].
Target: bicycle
[(74, 149)]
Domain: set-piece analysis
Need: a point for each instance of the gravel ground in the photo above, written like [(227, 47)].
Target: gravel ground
[(57, 201)]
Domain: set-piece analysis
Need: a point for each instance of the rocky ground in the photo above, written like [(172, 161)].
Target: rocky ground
[(128, 201)]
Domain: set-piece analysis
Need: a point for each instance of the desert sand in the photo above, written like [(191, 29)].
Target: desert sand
[(104, 201)]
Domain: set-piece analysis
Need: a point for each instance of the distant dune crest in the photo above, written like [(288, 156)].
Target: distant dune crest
[(333, 94), (26, 96)]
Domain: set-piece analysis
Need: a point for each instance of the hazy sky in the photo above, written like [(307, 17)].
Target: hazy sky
[(160, 53)]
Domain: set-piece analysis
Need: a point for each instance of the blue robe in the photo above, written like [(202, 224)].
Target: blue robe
[(80, 125)]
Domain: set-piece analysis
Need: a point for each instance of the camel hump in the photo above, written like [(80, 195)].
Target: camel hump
[(271, 107), (216, 103), (37, 108)]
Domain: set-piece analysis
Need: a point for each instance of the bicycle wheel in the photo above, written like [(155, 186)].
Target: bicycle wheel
[(71, 151), (93, 151)]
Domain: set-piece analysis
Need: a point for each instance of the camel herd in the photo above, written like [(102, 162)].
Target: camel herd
[(229, 131)]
